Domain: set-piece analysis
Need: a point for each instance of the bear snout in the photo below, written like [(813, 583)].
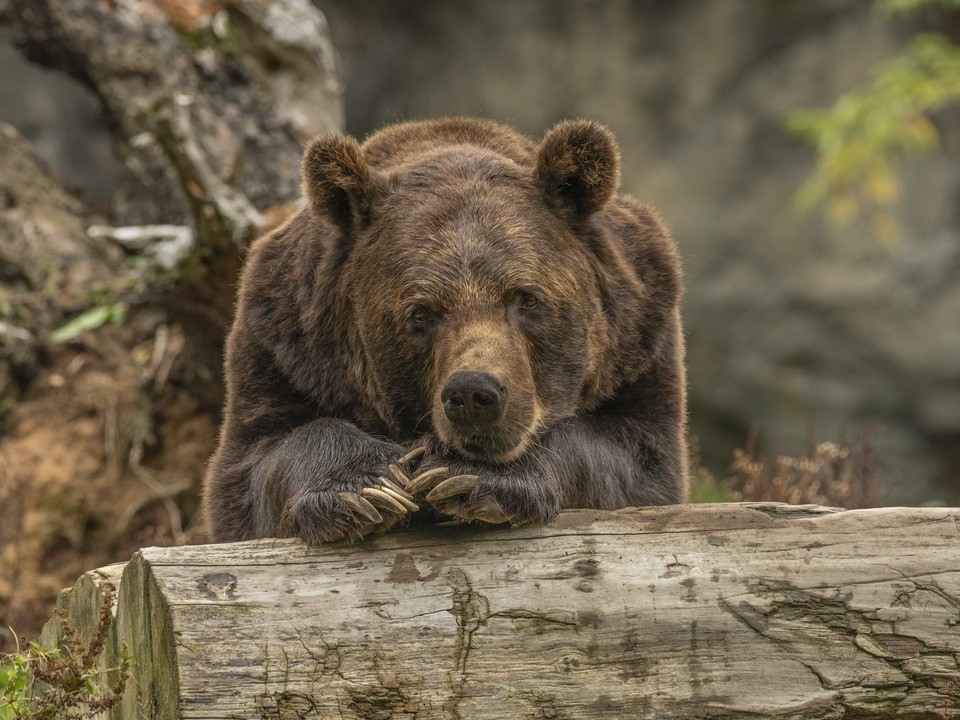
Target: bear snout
[(473, 399), (484, 400)]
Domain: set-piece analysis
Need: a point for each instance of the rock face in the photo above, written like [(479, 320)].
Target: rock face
[(791, 324)]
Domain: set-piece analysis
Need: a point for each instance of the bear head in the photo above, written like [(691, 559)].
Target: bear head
[(473, 275)]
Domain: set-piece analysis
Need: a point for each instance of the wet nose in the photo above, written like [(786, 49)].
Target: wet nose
[(473, 398)]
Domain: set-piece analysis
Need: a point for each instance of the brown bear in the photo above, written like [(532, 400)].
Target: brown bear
[(461, 312)]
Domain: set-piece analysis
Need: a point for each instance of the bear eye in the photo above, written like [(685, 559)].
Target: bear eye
[(528, 301), (419, 314)]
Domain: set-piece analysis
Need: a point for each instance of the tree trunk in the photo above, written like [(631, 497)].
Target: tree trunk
[(699, 611), (211, 102)]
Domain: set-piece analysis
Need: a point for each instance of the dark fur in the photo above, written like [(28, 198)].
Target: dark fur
[(329, 378)]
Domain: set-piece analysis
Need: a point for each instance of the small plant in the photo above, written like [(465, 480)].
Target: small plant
[(704, 487), (841, 474), (62, 682)]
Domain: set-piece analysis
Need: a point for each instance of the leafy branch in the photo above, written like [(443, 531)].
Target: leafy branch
[(862, 139)]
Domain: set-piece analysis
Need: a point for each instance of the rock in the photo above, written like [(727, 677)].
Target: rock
[(244, 89), (44, 244)]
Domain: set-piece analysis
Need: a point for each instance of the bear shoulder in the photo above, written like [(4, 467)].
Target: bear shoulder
[(647, 244)]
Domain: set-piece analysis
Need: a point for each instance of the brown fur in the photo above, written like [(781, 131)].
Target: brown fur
[(445, 246)]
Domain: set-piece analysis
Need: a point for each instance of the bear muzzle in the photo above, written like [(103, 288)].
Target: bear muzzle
[(479, 420), (484, 400)]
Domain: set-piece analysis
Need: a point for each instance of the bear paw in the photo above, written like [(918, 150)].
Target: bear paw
[(372, 505), (487, 496), (373, 508), (484, 509), (321, 516)]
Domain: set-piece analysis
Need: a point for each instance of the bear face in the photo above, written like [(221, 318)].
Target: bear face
[(475, 300), (460, 320), (509, 297)]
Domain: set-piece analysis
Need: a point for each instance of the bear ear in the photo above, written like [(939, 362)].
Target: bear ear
[(336, 180), (578, 168)]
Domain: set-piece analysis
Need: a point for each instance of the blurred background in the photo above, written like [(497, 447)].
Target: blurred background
[(804, 152)]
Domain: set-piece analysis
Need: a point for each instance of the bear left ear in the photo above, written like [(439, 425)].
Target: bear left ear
[(336, 180), (578, 168)]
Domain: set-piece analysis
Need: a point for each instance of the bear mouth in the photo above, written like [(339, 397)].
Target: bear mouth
[(492, 449)]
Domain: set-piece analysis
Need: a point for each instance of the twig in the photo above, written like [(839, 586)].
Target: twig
[(167, 245)]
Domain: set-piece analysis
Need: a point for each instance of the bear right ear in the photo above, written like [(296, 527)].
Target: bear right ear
[(336, 180)]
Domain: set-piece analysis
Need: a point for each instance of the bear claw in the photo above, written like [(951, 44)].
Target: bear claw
[(400, 497), (384, 500), (414, 454), (458, 485), (400, 476), (426, 480), (490, 512), (388, 483), (361, 506)]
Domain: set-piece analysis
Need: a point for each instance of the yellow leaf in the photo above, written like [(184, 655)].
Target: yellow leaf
[(882, 186), (922, 131), (842, 209)]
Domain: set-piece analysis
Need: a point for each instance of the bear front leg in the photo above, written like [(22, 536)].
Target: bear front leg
[(327, 480)]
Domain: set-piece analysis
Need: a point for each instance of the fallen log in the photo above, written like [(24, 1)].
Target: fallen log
[(700, 611)]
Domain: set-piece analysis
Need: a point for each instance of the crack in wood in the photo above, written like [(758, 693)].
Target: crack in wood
[(795, 605), (469, 610)]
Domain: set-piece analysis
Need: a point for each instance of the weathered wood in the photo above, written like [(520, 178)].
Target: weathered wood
[(81, 606), (709, 611)]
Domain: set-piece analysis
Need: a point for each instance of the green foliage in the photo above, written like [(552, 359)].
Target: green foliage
[(14, 679), (861, 140), (704, 488), (890, 7), (90, 320), (62, 682)]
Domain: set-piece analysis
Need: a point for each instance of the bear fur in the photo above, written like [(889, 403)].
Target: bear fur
[(442, 247)]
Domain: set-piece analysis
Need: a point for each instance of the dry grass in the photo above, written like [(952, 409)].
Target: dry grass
[(845, 473)]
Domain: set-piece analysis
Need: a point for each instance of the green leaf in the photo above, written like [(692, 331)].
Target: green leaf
[(90, 320)]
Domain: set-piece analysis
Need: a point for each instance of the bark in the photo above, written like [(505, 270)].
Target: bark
[(709, 611)]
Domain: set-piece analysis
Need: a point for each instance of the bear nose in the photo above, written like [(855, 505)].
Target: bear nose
[(473, 398)]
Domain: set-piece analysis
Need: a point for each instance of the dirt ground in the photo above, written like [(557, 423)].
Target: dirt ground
[(103, 455)]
